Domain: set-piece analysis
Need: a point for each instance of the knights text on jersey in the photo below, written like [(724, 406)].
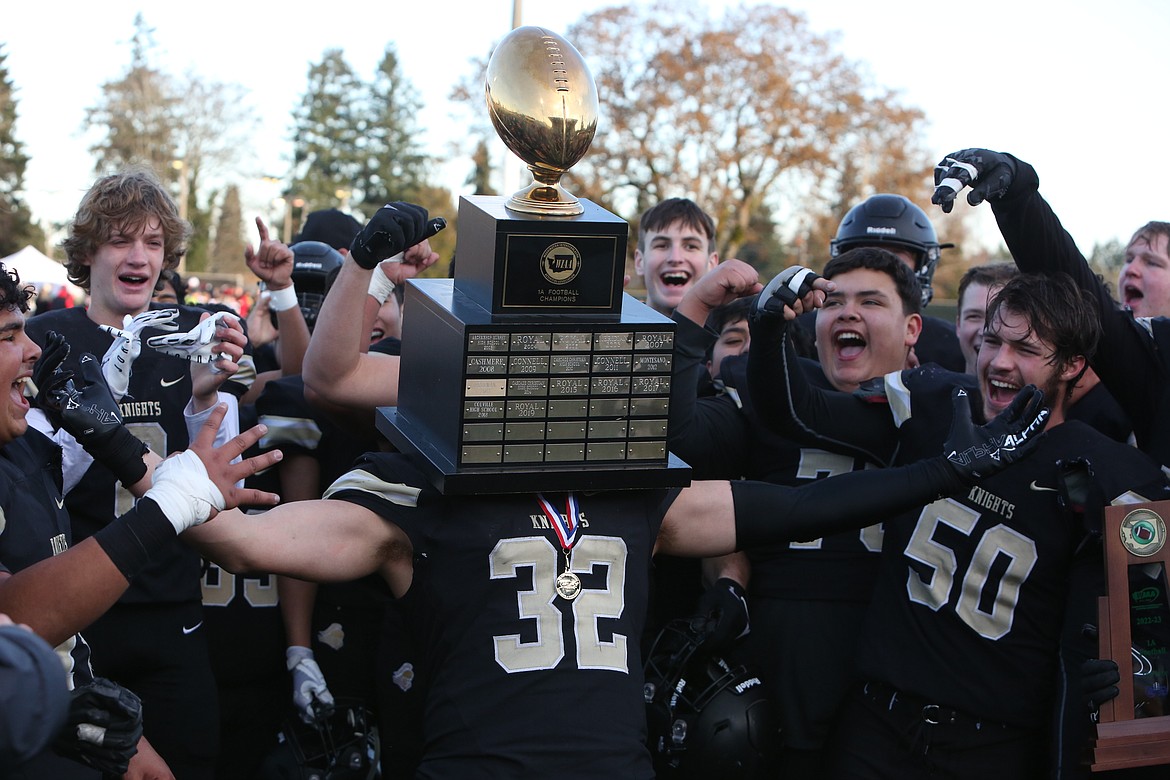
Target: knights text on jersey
[(523, 681), (969, 609), (160, 387)]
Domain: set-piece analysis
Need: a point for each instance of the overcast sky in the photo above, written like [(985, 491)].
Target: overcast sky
[(1076, 88)]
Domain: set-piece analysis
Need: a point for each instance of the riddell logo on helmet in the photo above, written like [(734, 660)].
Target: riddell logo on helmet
[(746, 684), (881, 231)]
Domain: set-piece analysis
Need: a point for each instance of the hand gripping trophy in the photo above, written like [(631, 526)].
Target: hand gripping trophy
[(532, 363)]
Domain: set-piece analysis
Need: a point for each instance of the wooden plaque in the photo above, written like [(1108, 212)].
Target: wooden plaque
[(1134, 728)]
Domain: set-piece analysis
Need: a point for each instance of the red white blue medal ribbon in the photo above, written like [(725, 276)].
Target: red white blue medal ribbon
[(565, 525)]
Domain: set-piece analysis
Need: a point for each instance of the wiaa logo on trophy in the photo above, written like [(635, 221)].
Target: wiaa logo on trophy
[(543, 103)]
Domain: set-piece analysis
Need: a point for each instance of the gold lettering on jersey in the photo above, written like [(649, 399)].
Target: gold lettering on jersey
[(58, 544), (541, 523), (993, 502), (137, 409)]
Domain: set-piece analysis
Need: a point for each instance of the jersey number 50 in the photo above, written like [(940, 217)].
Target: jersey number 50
[(934, 590)]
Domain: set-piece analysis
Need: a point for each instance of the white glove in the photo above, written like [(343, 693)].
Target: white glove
[(197, 345), (308, 682), (183, 491), (127, 346)]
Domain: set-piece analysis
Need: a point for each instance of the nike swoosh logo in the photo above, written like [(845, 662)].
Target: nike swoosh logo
[(193, 628), (60, 503), (1041, 488), (168, 383)]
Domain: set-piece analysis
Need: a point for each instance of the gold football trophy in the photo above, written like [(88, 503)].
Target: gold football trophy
[(532, 370), (543, 103)]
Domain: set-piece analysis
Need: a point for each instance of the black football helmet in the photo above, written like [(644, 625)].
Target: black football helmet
[(892, 219), (341, 744), (706, 718), (315, 267)]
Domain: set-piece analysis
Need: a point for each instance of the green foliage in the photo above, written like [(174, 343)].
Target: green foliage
[(136, 113), (748, 113), (227, 251), (17, 229), (1108, 258), (354, 141), (481, 175)]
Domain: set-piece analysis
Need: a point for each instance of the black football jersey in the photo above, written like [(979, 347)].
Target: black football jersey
[(973, 593), (838, 567), (160, 387), (523, 683), (34, 524)]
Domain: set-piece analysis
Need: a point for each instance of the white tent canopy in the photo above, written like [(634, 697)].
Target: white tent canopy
[(35, 268)]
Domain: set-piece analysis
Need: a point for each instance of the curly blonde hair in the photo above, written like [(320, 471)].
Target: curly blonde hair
[(123, 202)]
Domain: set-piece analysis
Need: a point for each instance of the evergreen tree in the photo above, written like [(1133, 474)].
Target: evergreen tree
[(17, 229), (395, 167), (136, 114), (227, 253), (481, 175), (328, 135)]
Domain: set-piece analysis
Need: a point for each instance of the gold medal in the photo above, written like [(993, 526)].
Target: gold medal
[(568, 585)]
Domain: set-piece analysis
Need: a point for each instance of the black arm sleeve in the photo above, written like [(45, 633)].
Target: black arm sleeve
[(1126, 360), (771, 514), (136, 537), (710, 434), (789, 405)]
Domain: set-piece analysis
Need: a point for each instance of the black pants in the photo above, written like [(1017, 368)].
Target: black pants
[(159, 651), (886, 734)]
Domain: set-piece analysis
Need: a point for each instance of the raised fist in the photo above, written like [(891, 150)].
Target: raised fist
[(785, 289), (989, 175), (394, 228)]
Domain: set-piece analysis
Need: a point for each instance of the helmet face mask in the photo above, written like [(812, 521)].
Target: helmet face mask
[(892, 222), (706, 717), (341, 744)]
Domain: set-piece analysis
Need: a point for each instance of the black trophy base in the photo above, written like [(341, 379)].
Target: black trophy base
[(451, 480)]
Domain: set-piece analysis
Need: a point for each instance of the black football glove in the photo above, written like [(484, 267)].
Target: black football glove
[(785, 289), (103, 728), (393, 228), (976, 453), (987, 173), (721, 615), (1099, 679), (48, 376), (85, 408)]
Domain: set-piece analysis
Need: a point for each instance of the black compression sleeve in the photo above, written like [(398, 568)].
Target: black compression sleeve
[(121, 452), (771, 514), (133, 538)]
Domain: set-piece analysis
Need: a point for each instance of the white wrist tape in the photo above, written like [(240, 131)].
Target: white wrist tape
[(282, 299), (183, 491), (381, 287)]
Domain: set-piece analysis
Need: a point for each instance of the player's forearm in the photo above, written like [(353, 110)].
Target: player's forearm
[(60, 596), (334, 349), (787, 402), (771, 514), (293, 342), (709, 434)]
